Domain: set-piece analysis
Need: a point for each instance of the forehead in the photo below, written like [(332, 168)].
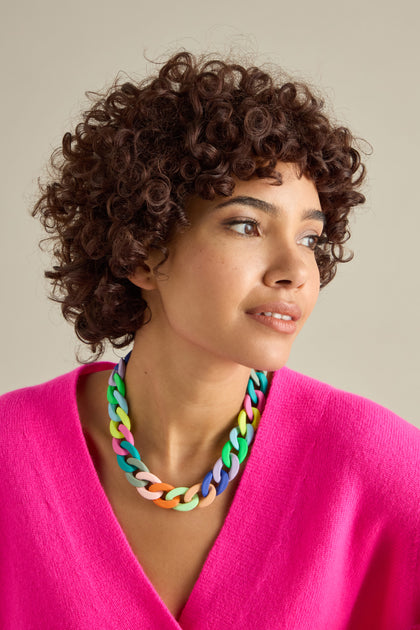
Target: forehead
[(296, 194), (294, 189)]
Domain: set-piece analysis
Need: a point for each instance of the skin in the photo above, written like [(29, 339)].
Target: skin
[(216, 272), (189, 367)]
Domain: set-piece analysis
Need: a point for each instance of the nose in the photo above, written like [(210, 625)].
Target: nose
[(288, 267)]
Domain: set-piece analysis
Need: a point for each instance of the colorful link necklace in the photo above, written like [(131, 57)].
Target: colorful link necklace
[(216, 480)]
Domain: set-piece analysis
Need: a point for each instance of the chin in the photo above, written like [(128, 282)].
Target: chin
[(268, 362)]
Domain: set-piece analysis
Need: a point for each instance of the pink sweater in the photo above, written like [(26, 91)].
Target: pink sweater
[(323, 532)]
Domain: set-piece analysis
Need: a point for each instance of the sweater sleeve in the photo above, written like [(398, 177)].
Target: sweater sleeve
[(382, 456)]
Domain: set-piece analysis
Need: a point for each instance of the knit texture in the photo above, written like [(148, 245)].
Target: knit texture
[(323, 532)]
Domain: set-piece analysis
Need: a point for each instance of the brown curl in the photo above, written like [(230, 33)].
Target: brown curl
[(120, 181)]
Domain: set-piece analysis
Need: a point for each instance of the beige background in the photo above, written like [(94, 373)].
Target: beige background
[(364, 334)]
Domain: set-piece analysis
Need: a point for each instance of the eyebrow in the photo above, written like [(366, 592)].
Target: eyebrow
[(270, 208)]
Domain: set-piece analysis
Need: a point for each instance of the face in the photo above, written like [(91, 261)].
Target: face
[(239, 284)]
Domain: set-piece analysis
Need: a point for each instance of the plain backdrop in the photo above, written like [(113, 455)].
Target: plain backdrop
[(364, 333)]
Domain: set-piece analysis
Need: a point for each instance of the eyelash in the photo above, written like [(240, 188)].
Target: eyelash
[(317, 240), (252, 222)]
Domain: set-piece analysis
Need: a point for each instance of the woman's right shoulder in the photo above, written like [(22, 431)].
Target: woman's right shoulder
[(55, 397)]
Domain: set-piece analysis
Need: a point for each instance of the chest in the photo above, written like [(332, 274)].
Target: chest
[(170, 546)]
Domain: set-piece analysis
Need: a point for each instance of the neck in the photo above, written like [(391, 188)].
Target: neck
[(182, 408)]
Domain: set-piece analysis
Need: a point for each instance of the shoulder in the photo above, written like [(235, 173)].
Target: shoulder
[(35, 396), (51, 398), (370, 442), (336, 404)]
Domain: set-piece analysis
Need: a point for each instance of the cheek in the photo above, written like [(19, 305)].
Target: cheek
[(196, 281), (315, 282), (312, 289), (214, 269)]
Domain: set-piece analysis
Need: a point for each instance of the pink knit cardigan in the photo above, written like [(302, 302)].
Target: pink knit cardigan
[(323, 532)]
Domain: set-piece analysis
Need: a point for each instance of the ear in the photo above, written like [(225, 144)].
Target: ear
[(143, 277), (146, 274)]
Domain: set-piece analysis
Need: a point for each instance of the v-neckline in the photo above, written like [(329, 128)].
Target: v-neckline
[(131, 557)]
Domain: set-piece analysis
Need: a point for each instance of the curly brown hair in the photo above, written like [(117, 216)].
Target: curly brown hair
[(120, 181)]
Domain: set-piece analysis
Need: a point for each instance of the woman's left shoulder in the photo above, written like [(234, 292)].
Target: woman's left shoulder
[(354, 411), (371, 442)]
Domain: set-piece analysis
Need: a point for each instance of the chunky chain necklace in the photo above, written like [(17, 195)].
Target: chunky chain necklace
[(216, 480)]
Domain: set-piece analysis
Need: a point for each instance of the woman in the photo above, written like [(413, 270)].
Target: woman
[(197, 215)]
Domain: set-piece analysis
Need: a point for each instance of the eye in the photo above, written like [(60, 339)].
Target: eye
[(245, 227), (311, 241)]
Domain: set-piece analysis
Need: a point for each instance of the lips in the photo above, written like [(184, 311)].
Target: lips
[(279, 316), (281, 308)]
